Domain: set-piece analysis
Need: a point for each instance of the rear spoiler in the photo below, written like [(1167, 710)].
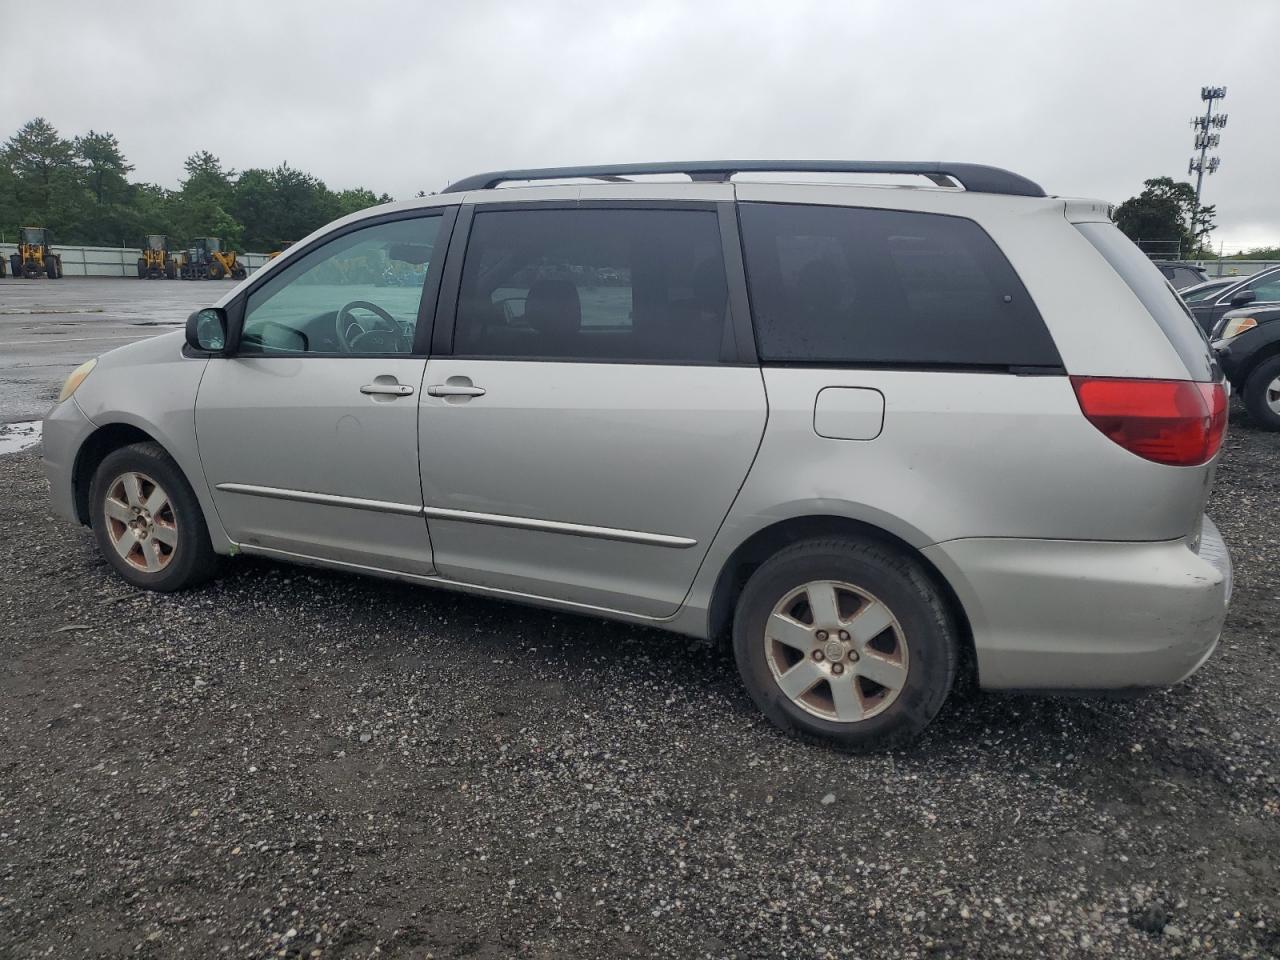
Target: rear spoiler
[(1087, 211)]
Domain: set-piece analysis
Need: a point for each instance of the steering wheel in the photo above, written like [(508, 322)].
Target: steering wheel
[(383, 330)]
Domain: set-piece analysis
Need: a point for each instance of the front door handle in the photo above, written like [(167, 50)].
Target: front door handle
[(387, 389), (455, 390)]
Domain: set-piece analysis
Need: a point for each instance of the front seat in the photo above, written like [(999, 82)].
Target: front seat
[(553, 309)]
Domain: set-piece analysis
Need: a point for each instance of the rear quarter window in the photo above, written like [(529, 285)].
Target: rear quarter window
[(1149, 285), (843, 285)]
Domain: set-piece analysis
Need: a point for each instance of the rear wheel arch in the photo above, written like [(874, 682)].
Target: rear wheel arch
[(768, 541)]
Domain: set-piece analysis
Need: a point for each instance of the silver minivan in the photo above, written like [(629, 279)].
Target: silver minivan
[(876, 435)]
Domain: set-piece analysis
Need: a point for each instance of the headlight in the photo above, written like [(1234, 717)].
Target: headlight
[(1238, 325), (76, 378)]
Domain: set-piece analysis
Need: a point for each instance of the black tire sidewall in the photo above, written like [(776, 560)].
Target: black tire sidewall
[(1255, 400), (884, 574), (193, 559)]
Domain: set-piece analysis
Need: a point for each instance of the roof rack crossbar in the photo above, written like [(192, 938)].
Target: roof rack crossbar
[(974, 177)]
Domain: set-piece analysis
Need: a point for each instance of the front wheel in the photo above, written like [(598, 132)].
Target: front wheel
[(142, 269), (1262, 394), (148, 522), (216, 270), (846, 642)]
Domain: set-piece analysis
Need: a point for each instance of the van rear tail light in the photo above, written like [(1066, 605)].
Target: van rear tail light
[(1176, 422)]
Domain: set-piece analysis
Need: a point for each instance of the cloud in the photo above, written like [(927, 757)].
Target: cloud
[(1088, 98)]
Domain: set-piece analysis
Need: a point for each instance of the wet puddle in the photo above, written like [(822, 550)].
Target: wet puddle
[(18, 436)]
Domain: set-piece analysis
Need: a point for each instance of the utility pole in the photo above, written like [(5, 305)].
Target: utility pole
[(1206, 140)]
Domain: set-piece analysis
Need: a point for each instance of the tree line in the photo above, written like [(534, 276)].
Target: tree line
[(80, 189)]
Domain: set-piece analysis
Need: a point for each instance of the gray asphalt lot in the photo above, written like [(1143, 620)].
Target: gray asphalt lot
[(49, 327), (296, 763)]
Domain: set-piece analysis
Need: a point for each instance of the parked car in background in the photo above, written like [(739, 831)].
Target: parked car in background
[(1247, 344), (872, 436), (1181, 274), (1203, 291), (1262, 289)]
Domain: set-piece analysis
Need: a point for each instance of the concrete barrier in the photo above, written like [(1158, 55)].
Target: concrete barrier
[(111, 261)]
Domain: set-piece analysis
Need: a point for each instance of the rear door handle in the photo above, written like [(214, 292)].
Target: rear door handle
[(387, 389), (454, 390)]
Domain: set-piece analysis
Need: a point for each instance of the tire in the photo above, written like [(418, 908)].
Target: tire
[(15, 264), (51, 269), (142, 269), (1262, 394), (239, 273), (216, 270), (170, 270), (60, 273), (152, 564), (913, 647)]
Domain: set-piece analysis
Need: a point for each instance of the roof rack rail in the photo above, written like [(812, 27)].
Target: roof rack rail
[(974, 177)]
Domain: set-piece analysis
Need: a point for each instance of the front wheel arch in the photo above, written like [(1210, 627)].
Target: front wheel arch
[(96, 447)]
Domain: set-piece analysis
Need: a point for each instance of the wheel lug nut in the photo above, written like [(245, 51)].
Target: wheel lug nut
[(837, 669), (817, 655), (822, 635), (844, 635)]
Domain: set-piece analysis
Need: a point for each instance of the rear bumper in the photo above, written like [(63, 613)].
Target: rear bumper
[(1089, 615), (65, 429)]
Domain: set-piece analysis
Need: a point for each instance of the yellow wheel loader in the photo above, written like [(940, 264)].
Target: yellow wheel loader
[(206, 260), (155, 261), (35, 256)]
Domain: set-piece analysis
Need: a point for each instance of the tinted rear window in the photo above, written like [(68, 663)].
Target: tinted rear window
[(849, 285), (1149, 285)]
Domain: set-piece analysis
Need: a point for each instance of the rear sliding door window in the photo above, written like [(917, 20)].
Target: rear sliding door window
[(854, 286), (594, 284)]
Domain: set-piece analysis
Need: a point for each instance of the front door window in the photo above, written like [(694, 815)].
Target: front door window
[(356, 295)]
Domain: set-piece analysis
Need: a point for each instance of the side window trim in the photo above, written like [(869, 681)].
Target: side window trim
[(446, 313), (430, 290)]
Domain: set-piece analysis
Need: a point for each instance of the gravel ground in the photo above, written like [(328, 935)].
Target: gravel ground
[(292, 763)]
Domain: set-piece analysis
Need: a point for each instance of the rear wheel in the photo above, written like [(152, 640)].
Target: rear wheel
[(142, 268), (239, 273), (147, 521), (216, 270), (170, 270), (15, 264), (1262, 394), (845, 641)]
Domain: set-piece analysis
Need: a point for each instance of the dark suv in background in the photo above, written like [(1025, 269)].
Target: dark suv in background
[(1247, 343), (1260, 289)]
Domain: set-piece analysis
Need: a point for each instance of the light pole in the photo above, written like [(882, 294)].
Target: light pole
[(1206, 139)]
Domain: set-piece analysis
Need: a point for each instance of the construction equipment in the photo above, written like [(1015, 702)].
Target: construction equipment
[(206, 260), (155, 261), (35, 256), (283, 247)]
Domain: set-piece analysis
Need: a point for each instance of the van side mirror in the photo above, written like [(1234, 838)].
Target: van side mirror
[(207, 330), (1243, 297)]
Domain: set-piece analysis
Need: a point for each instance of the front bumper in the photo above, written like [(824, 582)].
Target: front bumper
[(65, 429), (1088, 615)]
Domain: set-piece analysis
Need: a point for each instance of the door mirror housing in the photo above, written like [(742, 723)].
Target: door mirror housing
[(208, 331), (1243, 297)]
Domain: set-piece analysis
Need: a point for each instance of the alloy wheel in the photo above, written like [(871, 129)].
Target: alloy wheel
[(836, 651), (140, 522)]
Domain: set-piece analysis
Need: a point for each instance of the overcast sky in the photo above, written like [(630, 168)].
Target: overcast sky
[(1087, 98)]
